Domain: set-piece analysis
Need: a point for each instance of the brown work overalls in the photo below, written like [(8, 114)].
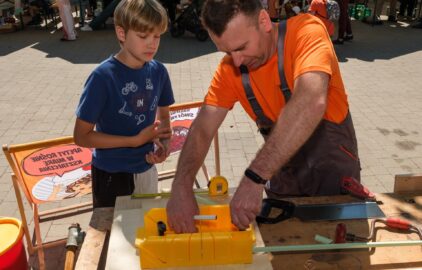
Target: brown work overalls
[(329, 155), (318, 167)]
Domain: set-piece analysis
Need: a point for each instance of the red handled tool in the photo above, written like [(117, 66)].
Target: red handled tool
[(393, 223), (353, 187), (340, 233)]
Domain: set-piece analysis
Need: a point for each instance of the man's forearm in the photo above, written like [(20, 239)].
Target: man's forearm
[(192, 157), (197, 144), (293, 128)]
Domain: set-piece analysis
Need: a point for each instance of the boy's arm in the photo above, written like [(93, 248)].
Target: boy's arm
[(85, 135)]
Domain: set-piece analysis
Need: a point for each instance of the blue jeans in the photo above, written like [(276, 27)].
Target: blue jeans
[(83, 5), (107, 12)]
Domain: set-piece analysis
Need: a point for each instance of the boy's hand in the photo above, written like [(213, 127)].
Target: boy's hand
[(152, 133), (160, 154)]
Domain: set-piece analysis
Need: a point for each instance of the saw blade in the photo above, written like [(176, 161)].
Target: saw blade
[(358, 210)]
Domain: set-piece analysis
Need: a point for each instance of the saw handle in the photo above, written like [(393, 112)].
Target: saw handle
[(287, 209)]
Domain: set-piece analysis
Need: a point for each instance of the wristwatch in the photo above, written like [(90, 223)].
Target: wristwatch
[(255, 177)]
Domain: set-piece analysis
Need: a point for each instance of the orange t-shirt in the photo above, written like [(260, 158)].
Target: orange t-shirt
[(307, 48), (319, 9)]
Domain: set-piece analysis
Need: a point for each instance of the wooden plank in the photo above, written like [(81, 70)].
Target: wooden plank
[(405, 183), (294, 231), (95, 243), (128, 216)]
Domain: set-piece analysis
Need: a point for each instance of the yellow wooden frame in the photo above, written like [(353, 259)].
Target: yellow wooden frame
[(19, 185)]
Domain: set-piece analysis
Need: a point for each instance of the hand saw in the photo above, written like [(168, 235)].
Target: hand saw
[(312, 212)]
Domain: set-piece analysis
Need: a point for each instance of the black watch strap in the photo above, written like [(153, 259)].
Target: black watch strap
[(255, 177)]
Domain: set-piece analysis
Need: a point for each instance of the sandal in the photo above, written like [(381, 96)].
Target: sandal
[(348, 37)]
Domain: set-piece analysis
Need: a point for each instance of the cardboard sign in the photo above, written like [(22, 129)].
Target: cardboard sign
[(57, 172)]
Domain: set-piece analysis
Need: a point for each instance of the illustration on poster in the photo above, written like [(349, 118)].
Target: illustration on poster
[(71, 184)]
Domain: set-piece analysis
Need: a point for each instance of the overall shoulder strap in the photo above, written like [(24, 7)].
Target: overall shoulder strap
[(261, 120), (280, 48)]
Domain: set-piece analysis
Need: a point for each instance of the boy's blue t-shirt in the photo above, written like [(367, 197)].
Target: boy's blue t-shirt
[(122, 101)]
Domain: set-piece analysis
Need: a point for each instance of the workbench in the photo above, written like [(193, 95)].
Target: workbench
[(128, 216)]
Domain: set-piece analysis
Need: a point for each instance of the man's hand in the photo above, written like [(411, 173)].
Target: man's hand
[(181, 208), (246, 203)]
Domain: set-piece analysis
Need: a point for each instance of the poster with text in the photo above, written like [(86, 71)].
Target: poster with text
[(57, 172), (181, 121)]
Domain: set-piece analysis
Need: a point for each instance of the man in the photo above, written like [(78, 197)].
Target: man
[(312, 143)]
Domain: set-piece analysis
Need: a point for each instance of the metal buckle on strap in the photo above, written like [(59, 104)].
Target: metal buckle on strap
[(264, 127), (265, 131)]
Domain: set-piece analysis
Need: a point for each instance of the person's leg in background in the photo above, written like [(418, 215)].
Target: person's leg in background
[(403, 7), (272, 10), (343, 22), (34, 12), (91, 8), (170, 6), (65, 12), (392, 15), (349, 33), (410, 8), (84, 6), (101, 19), (375, 17)]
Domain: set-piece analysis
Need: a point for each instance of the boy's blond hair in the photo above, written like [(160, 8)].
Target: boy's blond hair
[(141, 16)]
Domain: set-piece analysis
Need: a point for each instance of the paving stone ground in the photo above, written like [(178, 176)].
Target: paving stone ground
[(41, 80)]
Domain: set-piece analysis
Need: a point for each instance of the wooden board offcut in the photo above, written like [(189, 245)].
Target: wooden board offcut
[(405, 183), (91, 256)]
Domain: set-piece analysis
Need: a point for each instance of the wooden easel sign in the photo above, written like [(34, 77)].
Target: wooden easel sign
[(57, 172)]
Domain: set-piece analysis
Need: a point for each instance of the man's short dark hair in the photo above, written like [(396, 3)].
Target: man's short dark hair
[(216, 14)]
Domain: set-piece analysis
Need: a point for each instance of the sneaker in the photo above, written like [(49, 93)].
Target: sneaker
[(338, 41), (348, 37), (372, 20), (86, 28), (392, 18), (66, 39), (418, 25)]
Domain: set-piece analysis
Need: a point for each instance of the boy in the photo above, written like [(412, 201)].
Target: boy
[(126, 98)]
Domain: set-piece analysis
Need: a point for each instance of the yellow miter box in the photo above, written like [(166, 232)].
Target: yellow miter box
[(216, 242)]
